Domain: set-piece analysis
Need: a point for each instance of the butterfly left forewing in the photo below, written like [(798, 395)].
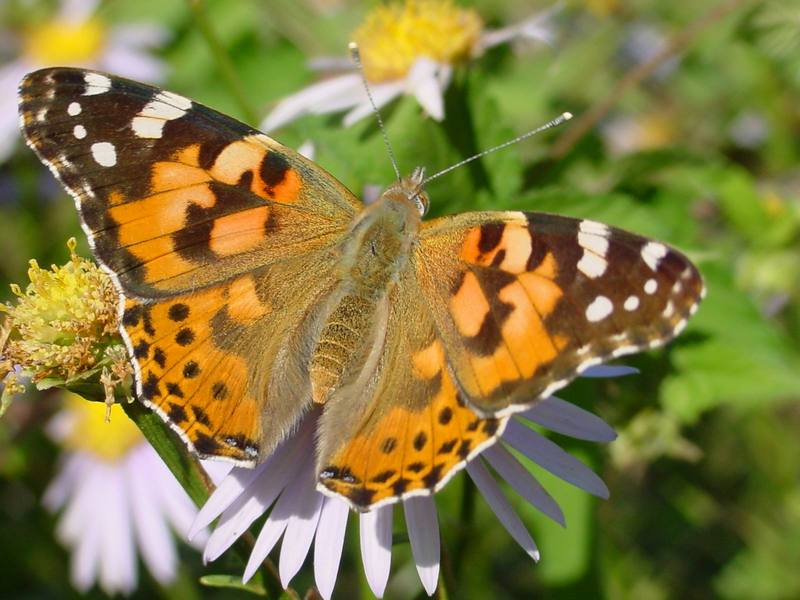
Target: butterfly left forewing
[(173, 195), (219, 239), (526, 301)]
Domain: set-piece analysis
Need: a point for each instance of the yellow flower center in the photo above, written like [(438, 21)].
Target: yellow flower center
[(393, 37), (107, 440), (63, 42)]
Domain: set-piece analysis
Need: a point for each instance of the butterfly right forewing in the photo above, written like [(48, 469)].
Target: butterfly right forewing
[(526, 301)]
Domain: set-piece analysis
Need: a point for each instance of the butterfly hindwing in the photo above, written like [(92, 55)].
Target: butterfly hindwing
[(407, 430), (526, 301), (224, 365), (167, 187)]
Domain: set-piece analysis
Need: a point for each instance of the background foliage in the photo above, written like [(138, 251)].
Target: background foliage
[(701, 150)]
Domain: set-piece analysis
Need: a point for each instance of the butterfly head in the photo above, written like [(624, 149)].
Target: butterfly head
[(410, 189)]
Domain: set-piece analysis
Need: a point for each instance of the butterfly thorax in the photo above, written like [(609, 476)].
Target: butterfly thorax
[(371, 261)]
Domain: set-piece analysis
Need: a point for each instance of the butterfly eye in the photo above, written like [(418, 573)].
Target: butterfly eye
[(422, 202)]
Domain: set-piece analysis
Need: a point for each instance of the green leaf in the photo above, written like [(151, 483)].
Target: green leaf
[(729, 354), (234, 582)]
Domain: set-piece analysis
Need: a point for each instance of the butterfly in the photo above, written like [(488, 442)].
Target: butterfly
[(254, 287)]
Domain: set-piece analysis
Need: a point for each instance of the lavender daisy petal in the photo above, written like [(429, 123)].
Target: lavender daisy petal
[(231, 488), (501, 507), (287, 459), (285, 508), (328, 544), (423, 532), (566, 418), (518, 477), (549, 456), (300, 531), (609, 371), (375, 529)]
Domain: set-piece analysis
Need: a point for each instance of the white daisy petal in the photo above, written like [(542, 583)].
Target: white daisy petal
[(151, 528), (501, 507), (85, 560), (423, 532), (80, 507), (329, 543), (341, 91), (550, 457), (382, 94), (427, 81), (518, 477), (330, 63), (62, 487), (118, 554), (566, 418), (375, 529), (609, 371), (300, 531)]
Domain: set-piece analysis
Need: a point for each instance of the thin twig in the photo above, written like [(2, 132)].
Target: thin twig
[(224, 64), (677, 44)]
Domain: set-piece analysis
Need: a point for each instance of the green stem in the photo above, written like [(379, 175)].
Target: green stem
[(467, 515), (224, 64)]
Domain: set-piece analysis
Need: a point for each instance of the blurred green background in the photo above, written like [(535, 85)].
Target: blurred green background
[(700, 150)]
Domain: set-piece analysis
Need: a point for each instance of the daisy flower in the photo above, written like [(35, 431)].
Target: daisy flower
[(302, 516), (408, 48), (117, 498), (74, 36)]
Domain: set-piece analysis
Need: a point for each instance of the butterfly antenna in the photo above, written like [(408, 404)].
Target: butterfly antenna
[(562, 118), (356, 56)]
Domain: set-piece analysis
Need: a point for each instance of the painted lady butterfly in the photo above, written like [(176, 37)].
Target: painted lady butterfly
[(254, 286)]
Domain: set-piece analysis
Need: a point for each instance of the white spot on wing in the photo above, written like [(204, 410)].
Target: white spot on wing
[(652, 253), (74, 109), (631, 303), (79, 131), (599, 309), (147, 127), (96, 84), (165, 106), (592, 265), (650, 286), (104, 154)]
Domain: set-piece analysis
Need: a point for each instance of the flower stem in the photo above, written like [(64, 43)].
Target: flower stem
[(192, 478), (467, 516), (224, 64)]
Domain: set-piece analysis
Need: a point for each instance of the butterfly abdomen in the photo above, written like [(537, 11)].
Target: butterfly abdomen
[(371, 259)]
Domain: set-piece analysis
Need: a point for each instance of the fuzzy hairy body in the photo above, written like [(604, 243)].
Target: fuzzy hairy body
[(372, 258)]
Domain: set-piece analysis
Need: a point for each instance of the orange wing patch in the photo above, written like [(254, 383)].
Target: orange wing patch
[(406, 451), (189, 375)]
